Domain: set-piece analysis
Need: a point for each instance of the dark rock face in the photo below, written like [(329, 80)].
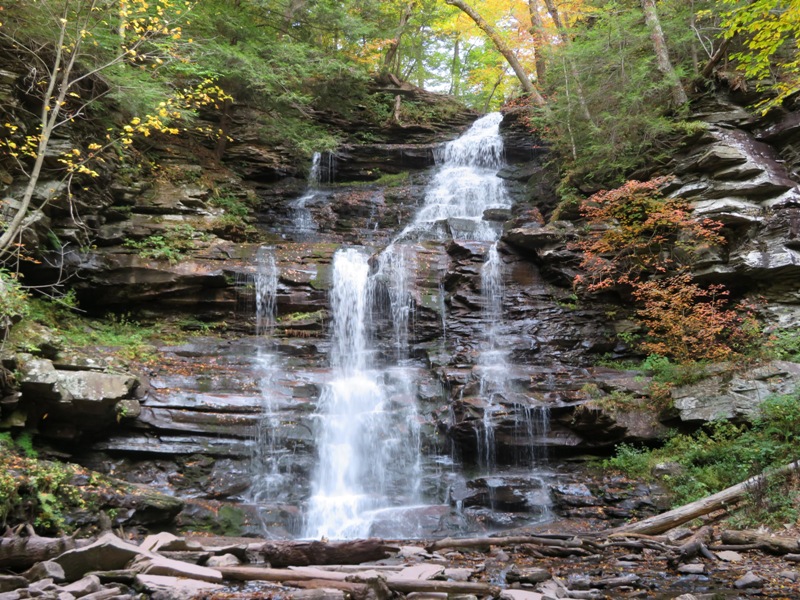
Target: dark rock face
[(231, 420)]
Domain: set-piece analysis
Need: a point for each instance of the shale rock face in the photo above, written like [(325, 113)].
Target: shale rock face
[(227, 420)]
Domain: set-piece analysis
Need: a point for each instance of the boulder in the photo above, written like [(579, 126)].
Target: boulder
[(164, 587), (47, 569), (84, 586), (735, 394), (108, 553)]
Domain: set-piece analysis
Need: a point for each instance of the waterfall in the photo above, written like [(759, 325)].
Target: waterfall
[(266, 476), (492, 360), (302, 220), (366, 422), (363, 439), (266, 287), (465, 186)]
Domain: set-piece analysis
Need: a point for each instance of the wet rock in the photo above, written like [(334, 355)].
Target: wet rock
[(748, 581), (790, 575)]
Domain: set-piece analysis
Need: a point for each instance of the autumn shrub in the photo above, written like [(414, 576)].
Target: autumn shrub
[(633, 232), (642, 244), (689, 323)]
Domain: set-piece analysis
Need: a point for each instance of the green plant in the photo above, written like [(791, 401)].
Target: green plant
[(172, 244), (723, 454), (13, 299)]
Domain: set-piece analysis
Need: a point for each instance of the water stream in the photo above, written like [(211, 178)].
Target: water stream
[(366, 426)]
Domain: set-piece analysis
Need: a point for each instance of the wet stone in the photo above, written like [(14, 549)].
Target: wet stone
[(748, 581)]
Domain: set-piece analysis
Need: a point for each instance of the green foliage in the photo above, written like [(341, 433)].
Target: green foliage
[(784, 344), (723, 454), (13, 298), (38, 491), (170, 245), (771, 33), (126, 337)]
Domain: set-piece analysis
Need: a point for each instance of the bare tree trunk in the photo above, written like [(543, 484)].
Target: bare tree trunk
[(679, 97), (455, 68), (567, 41), (391, 53), (494, 90), (502, 48), (537, 31), (684, 514)]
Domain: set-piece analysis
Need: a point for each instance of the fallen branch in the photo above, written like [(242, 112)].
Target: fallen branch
[(285, 554), (315, 578), (572, 542), (763, 541), (692, 547), (22, 552), (684, 514)]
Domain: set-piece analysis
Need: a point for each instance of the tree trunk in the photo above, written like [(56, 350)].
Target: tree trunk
[(284, 554), (679, 97), (502, 48), (455, 68), (391, 53), (764, 541), (567, 41), (684, 514), (20, 553), (537, 31)]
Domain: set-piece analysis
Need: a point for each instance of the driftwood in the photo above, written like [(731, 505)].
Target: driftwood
[(546, 542), (762, 541), (315, 578), (695, 545), (720, 500), (22, 552), (285, 554)]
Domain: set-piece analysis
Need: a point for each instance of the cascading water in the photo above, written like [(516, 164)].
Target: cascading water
[(465, 186), (303, 221), (492, 359), (266, 477), (362, 438), (367, 423)]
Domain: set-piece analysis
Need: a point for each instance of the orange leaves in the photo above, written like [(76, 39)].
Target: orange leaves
[(690, 323), (642, 243), (633, 232)]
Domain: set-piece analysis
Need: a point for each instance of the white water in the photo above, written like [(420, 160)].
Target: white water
[(465, 186), (363, 436), (492, 362), (302, 220), (267, 477), (368, 426)]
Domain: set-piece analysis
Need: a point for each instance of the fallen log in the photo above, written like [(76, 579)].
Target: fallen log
[(18, 552), (720, 500), (692, 547), (768, 543), (305, 553), (297, 578), (504, 541)]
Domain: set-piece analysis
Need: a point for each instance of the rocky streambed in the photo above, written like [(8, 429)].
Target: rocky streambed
[(537, 565)]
